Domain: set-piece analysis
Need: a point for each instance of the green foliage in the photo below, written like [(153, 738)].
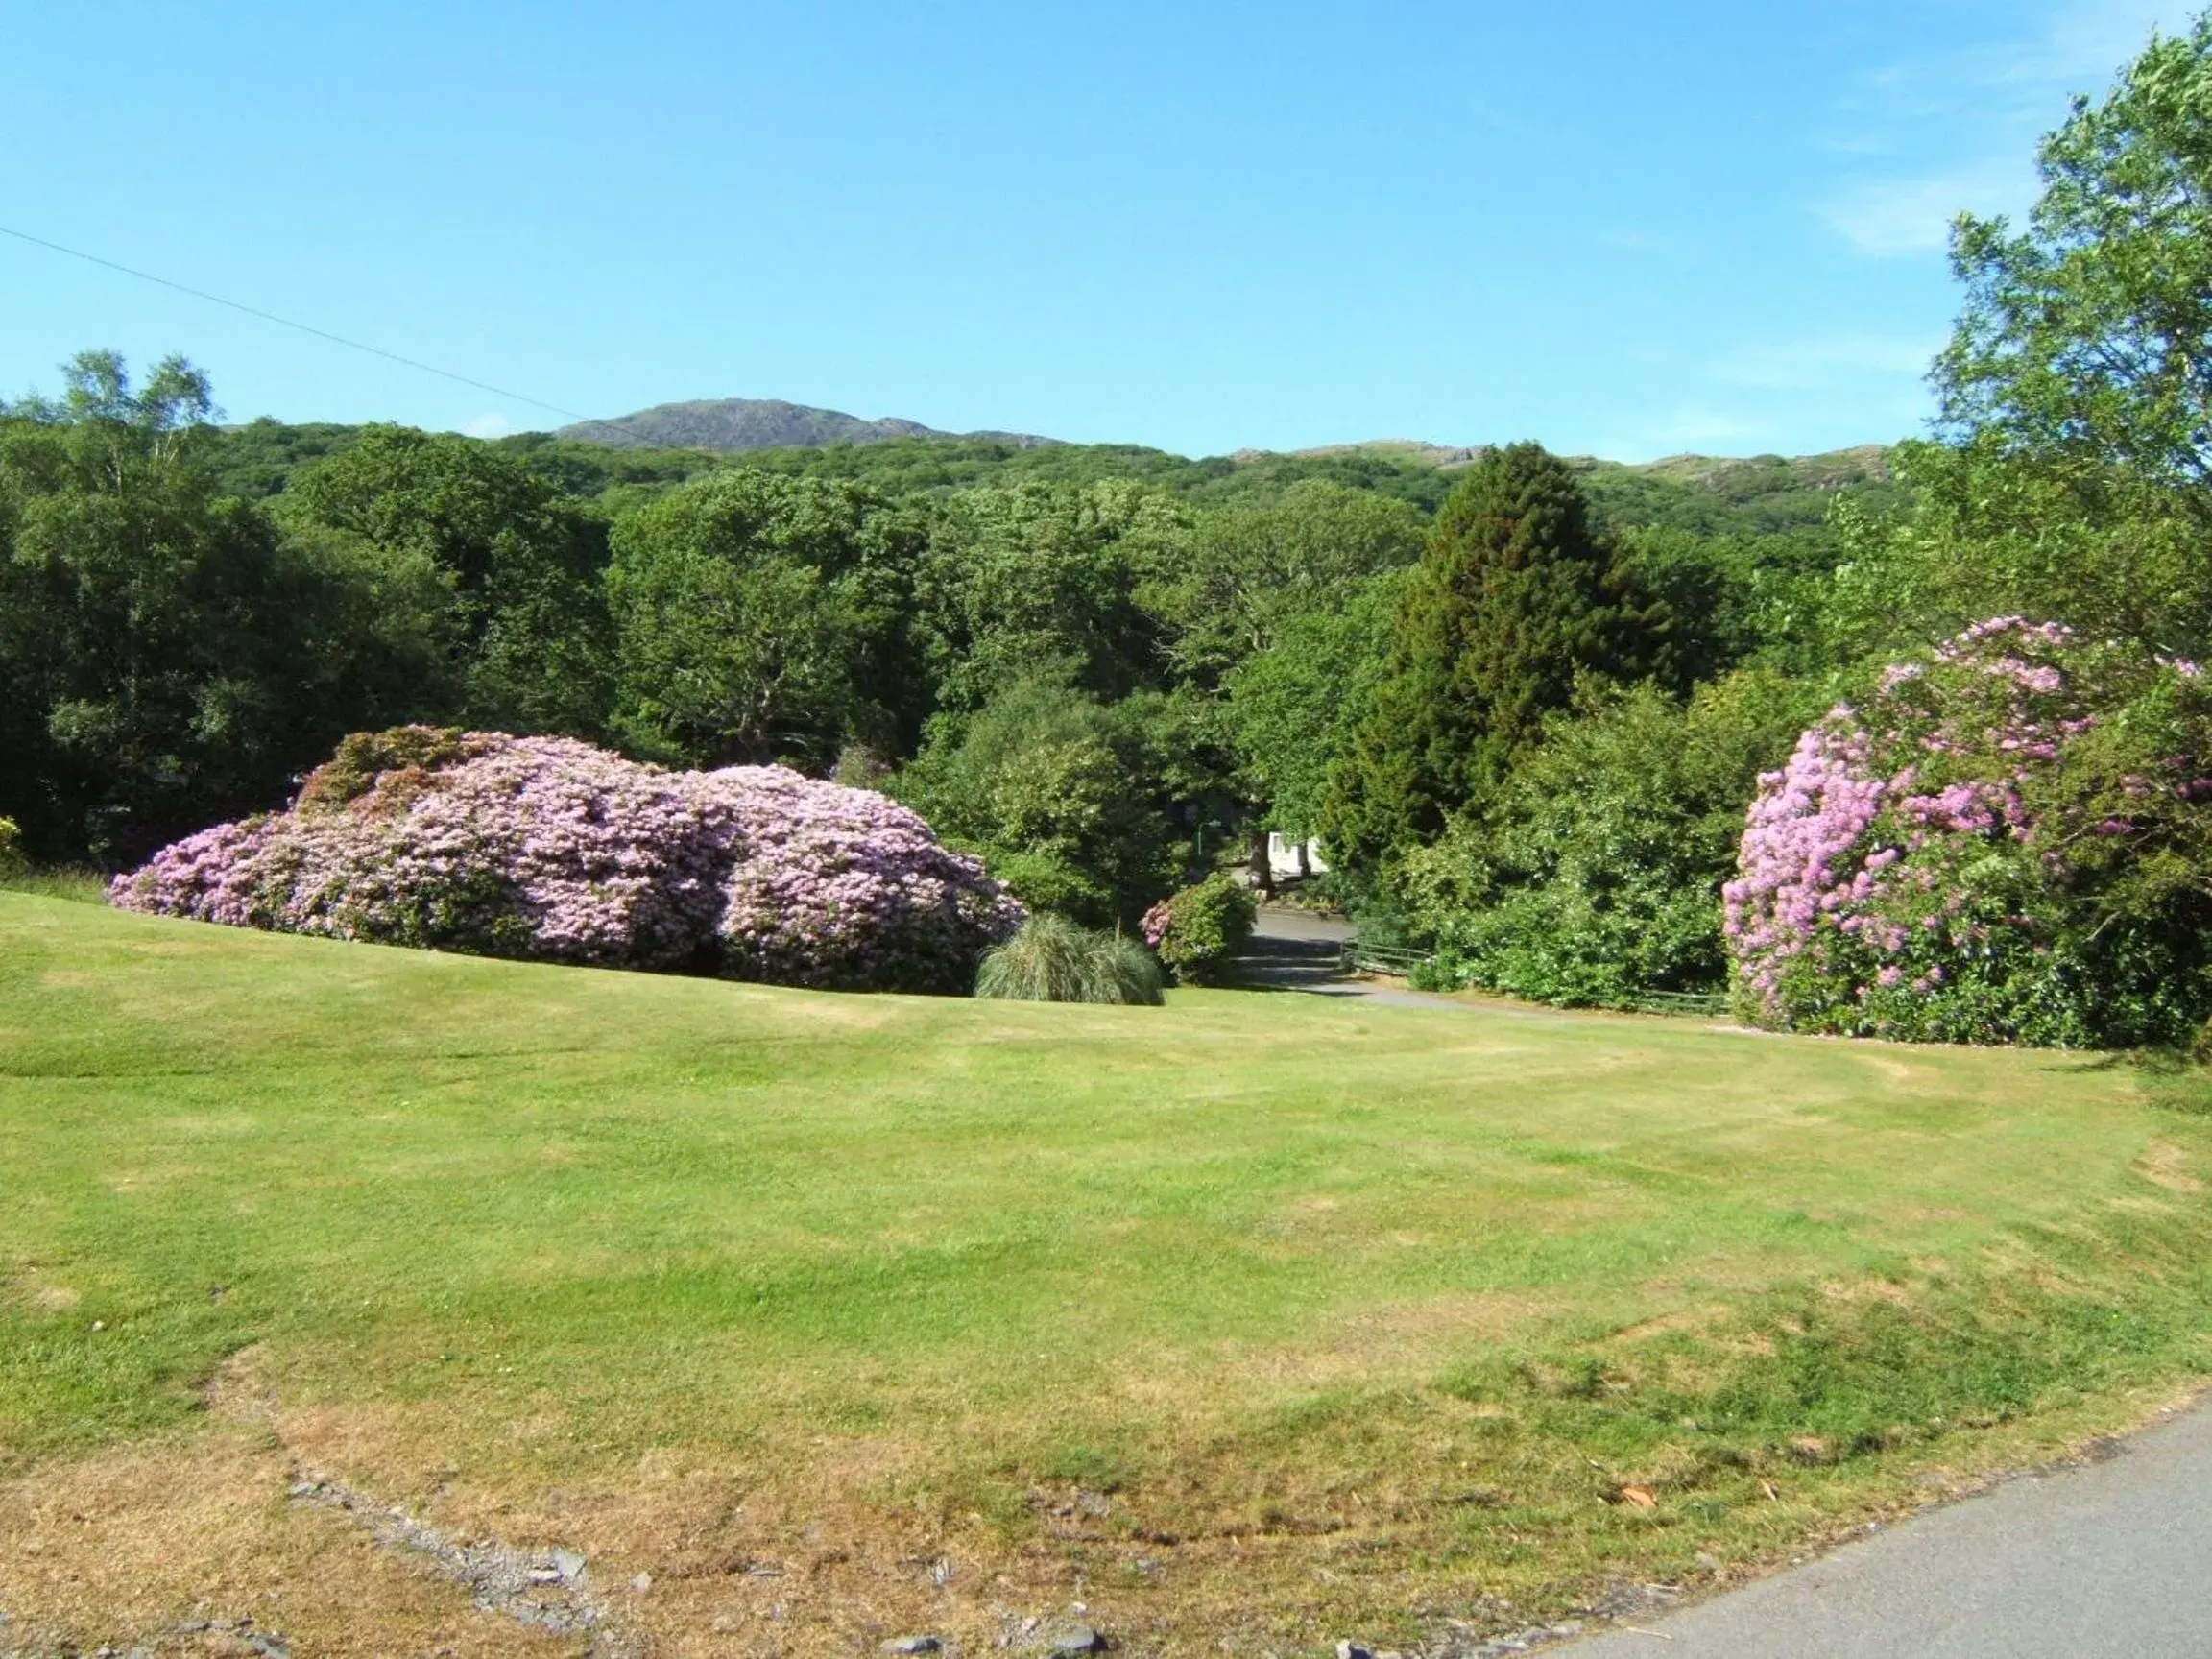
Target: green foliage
[(1993, 533), (168, 654), (761, 618), (1742, 599), (1044, 882), (1517, 595), (1745, 500), (13, 862), (257, 460), (73, 883), (1295, 705), (943, 465), (1201, 929), (1593, 877), (2087, 336), (1057, 791), (1054, 960), (528, 623), (1252, 571), (1043, 580)]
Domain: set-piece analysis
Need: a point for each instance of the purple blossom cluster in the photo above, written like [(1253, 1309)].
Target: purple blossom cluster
[(551, 850), (1897, 857), (845, 887)]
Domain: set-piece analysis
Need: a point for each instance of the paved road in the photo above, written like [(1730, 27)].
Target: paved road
[(1298, 951), (2112, 1560)]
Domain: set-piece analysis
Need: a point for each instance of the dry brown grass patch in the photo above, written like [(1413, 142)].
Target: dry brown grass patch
[(124, 1548), (2165, 1165)]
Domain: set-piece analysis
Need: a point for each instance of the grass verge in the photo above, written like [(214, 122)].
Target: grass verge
[(77, 883), (1261, 1319)]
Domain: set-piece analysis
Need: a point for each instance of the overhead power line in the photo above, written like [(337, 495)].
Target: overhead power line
[(303, 327)]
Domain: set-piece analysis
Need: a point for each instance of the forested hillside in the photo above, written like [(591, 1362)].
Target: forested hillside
[(729, 425), (1705, 494)]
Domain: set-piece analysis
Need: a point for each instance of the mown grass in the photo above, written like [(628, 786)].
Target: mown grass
[(1257, 1317)]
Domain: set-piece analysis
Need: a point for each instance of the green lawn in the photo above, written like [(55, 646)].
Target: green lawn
[(1262, 1317)]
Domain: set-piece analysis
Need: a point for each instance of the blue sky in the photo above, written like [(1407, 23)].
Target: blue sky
[(1628, 229)]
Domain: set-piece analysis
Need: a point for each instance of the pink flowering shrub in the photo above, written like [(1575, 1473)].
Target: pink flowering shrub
[(1992, 849), (1197, 932), (845, 887), (551, 850)]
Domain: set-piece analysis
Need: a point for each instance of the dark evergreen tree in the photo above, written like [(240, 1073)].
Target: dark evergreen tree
[(1517, 595)]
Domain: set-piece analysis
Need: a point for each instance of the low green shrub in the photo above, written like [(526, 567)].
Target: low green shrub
[(1198, 931), (1592, 877), (12, 859), (1051, 959), (1044, 882)]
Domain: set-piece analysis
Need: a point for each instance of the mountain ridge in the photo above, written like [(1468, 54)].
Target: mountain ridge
[(738, 425), (733, 425)]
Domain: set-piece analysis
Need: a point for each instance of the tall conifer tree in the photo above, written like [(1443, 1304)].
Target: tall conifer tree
[(1517, 594)]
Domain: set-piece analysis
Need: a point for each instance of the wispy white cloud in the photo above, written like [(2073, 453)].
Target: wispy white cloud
[(1818, 362), (488, 426), (1761, 394), (1892, 218), (2087, 40), (1980, 109)]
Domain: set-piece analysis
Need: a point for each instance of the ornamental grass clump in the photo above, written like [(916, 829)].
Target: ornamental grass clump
[(1051, 959), (2008, 842), (550, 850)]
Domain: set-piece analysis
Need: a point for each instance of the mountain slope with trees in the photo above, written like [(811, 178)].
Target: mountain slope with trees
[(729, 425)]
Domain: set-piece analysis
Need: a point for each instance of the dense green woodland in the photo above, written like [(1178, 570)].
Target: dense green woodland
[(912, 604), (1524, 703)]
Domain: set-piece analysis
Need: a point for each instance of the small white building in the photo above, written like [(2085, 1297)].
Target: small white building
[(1288, 861)]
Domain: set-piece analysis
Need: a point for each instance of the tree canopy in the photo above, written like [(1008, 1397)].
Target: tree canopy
[(2086, 336), (1517, 595)]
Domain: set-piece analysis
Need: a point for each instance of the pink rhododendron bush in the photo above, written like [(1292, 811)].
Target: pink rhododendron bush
[(2004, 842), (547, 849)]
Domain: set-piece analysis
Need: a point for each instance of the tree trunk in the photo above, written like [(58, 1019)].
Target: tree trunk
[(1262, 867)]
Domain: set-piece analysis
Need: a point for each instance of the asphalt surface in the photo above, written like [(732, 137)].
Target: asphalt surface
[(1298, 951), (2108, 1560)]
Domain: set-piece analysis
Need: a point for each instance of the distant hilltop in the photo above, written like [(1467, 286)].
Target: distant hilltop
[(730, 425), (1443, 456), (1864, 463), (733, 425)]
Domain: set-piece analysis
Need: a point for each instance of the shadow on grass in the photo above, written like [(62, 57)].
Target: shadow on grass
[(1278, 964)]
